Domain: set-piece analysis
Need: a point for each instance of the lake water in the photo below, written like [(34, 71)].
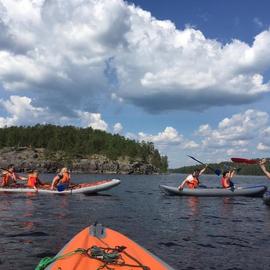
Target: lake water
[(186, 232)]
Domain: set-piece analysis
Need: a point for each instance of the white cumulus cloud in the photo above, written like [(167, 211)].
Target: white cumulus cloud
[(263, 147), (235, 131), (71, 55), (93, 120), (117, 128), (167, 137), (22, 112)]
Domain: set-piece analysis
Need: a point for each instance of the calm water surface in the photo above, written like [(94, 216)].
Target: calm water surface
[(186, 232)]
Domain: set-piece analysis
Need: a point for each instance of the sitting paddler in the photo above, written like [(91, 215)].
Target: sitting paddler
[(9, 176), (33, 180), (192, 180), (63, 179), (226, 181)]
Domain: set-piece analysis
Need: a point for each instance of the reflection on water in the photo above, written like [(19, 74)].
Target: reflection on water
[(193, 205), (187, 232)]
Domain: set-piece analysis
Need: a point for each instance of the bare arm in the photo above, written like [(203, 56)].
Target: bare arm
[(18, 177), (262, 166), (203, 170), (183, 184), (232, 173), (55, 181)]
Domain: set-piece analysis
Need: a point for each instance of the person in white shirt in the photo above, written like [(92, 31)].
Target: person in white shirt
[(192, 180)]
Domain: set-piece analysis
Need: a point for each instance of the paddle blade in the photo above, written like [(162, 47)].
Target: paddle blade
[(244, 160), (218, 172)]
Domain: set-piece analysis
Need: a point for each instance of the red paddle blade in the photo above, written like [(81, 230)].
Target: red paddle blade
[(244, 160)]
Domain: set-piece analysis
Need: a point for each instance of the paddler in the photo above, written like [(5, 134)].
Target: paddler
[(192, 180), (33, 180), (62, 178), (9, 176), (262, 166), (226, 181)]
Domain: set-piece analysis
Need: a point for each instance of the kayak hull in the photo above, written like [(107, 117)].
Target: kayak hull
[(216, 192), (86, 188), (101, 237)]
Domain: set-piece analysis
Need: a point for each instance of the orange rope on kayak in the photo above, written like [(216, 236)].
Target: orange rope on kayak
[(121, 249), (111, 256), (108, 256)]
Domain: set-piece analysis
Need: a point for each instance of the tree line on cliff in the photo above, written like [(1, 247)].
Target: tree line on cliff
[(78, 142)]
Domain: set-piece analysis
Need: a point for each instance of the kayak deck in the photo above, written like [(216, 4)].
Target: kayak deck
[(85, 188), (97, 247), (215, 192)]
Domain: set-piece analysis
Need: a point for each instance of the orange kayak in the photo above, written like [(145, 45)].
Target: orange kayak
[(97, 247)]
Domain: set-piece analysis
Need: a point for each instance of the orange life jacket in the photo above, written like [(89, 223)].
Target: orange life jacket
[(225, 182), (8, 178), (32, 181), (65, 178), (194, 183)]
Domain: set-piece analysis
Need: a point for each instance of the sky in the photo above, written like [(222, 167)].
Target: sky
[(191, 76)]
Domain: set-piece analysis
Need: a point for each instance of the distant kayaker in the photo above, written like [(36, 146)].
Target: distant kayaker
[(34, 181), (262, 165), (62, 178), (192, 180), (9, 176), (226, 179)]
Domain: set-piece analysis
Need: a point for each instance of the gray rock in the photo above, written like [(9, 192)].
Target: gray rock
[(26, 159)]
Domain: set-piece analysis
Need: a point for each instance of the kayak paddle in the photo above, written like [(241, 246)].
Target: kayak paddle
[(244, 160), (217, 171)]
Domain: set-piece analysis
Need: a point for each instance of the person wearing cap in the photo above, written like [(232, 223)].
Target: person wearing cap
[(62, 178), (192, 180), (9, 176)]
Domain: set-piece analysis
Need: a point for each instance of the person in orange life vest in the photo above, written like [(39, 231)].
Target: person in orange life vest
[(9, 176), (262, 165), (226, 179), (34, 181), (62, 178), (192, 180)]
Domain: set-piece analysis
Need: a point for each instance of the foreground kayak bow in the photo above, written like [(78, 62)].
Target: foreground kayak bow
[(97, 247)]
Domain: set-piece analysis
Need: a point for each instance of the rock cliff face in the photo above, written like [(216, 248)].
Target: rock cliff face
[(26, 159)]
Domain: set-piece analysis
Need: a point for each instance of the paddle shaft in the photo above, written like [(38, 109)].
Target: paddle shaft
[(202, 163)]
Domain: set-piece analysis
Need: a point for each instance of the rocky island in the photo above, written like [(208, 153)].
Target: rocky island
[(83, 150)]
